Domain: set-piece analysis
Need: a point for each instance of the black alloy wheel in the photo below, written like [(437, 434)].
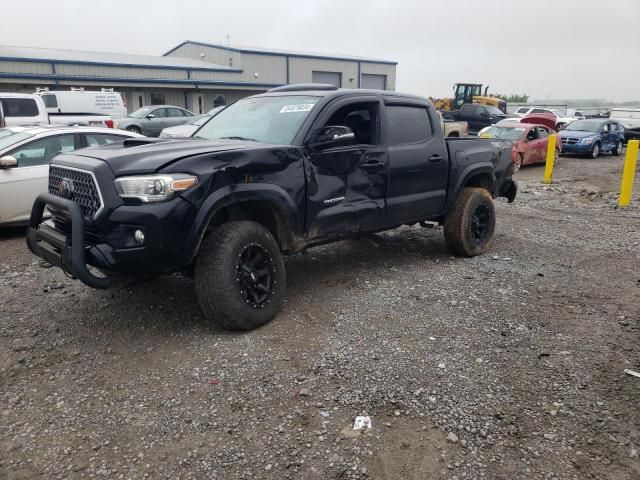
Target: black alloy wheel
[(256, 275), (480, 224)]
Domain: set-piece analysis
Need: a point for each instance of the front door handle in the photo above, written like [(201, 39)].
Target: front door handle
[(436, 158), (371, 165)]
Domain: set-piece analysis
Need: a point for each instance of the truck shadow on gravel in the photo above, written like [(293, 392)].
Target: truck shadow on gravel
[(169, 303)]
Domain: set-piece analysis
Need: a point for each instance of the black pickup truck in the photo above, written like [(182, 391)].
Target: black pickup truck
[(476, 115), (269, 175)]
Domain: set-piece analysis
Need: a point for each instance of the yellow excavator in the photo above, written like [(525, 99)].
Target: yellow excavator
[(468, 93)]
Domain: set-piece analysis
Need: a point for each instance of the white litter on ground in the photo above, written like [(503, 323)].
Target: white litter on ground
[(362, 422)]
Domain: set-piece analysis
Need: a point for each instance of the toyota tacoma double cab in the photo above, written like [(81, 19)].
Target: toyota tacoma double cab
[(270, 175)]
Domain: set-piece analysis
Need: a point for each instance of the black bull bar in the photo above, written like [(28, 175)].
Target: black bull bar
[(56, 247)]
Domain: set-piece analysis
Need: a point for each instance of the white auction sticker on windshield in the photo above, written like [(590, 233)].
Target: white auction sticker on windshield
[(301, 107)]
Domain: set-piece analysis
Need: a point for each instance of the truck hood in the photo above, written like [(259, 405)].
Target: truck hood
[(577, 133), (148, 155)]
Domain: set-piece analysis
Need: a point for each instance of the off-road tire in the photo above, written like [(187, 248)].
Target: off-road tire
[(219, 288), (458, 228)]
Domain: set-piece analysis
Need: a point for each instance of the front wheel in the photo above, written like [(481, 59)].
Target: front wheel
[(595, 150), (469, 227), (618, 150), (134, 130), (239, 276)]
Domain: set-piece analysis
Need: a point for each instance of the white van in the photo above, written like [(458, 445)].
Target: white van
[(629, 116), (83, 107), (23, 109)]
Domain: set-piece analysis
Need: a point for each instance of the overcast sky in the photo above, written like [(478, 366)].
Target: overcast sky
[(545, 48)]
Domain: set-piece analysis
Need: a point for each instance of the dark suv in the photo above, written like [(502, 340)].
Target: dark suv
[(269, 175)]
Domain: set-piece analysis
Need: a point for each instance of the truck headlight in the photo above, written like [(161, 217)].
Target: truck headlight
[(153, 188), (588, 140)]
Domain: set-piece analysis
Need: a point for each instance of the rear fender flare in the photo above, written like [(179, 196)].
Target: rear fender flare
[(475, 170)]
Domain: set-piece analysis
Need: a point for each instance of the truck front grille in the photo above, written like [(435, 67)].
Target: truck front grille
[(76, 185)]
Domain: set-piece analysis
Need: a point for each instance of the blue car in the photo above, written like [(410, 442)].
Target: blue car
[(592, 137)]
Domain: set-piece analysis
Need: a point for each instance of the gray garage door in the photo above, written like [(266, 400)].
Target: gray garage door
[(376, 82), (332, 78)]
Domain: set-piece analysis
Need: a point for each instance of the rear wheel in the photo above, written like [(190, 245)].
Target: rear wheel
[(469, 227), (595, 150), (239, 276), (618, 150)]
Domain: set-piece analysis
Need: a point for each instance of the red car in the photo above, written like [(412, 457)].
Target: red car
[(529, 142)]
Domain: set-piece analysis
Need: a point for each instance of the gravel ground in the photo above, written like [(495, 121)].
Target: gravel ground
[(504, 366)]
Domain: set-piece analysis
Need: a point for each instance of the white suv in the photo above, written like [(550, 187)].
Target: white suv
[(23, 109)]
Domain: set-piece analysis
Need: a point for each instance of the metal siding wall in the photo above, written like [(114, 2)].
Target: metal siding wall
[(119, 72), (301, 70), (380, 69), (218, 56), (25, 67), (271, 69), (217, 76)]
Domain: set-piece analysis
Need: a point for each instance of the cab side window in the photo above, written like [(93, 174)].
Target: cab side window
[(408, 124), (41, 152), (160, 113), (362, 118), (543, 132)]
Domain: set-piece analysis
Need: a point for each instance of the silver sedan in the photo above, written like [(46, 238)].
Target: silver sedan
[(25, 153), (150, 121)]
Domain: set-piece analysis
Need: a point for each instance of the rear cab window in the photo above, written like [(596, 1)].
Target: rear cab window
[(19, 107)]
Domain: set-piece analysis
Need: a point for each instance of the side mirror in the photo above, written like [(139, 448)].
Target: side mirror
[(150, 116), (333, 136), (8, 162)]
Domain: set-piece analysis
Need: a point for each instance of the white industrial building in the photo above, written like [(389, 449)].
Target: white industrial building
[(195, 75)]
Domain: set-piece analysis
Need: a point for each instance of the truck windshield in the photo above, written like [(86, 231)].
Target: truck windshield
[(585, 126), (493, 110), (506, 133), (273, 120)]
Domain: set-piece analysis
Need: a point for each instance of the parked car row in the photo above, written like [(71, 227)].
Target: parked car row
[(92, 108)]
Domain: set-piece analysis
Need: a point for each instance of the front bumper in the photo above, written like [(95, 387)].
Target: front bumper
[(579, 148), (71, 242)]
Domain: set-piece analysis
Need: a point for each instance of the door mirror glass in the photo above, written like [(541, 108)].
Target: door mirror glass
[(333, 136), (151, 116), (8, 162)]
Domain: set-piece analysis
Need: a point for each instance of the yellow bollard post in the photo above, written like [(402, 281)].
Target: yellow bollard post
[(551, 153), (485, 135), (628, 173)]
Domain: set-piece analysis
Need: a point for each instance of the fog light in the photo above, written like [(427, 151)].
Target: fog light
[(138, 235)]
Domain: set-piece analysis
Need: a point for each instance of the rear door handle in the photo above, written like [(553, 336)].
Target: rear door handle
[(436, 158)]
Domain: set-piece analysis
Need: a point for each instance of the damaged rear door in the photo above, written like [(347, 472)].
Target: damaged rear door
[(347, 185)]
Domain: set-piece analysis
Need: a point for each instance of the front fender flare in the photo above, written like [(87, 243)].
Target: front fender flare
[(234, 194)]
